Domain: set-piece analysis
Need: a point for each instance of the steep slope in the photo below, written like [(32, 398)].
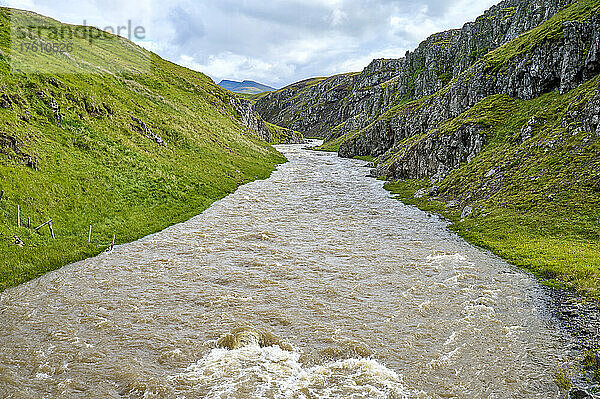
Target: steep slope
[(111, 136), (245, 87), (267, 131), (308, 106)]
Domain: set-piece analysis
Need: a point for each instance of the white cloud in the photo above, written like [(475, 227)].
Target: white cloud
[(276, 42), (338, 17)]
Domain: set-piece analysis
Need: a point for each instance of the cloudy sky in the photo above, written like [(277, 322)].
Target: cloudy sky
[(275, 42)]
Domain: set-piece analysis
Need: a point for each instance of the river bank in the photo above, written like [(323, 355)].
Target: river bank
[(142, 205), (574, 294)]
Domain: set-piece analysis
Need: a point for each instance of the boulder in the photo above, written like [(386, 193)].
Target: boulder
[(466, 212)]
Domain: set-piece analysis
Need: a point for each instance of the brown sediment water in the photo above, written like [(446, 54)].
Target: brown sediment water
[(329, 288)]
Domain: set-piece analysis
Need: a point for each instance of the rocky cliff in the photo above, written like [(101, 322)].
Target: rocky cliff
[(496, 123), (308, 106), (559, 55), (331, 107)]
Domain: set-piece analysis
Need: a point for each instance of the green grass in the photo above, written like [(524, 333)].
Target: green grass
[(562, 379), (590, 363), (549, 31), (541, 208), (303, 84), (334, 144), (402, 106), (364, 158), (253, 97), (95, 167), (282, 135)]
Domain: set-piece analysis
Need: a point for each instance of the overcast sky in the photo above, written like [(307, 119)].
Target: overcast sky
[(275, 42)]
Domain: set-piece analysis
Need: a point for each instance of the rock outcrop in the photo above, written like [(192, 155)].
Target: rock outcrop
[(141, 127), (436, 154), (315, 106), (251, 119), (308, 106), (9, 146)]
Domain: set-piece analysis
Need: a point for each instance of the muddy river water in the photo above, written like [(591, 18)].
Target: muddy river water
[(370, 299)]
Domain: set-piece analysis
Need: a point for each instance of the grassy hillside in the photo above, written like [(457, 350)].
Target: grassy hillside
[(112, 136), (536, 201)]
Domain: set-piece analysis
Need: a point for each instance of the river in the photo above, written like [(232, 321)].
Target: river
[(369, 299)]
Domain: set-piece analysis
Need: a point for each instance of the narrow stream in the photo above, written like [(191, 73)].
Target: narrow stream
[(370, 298)]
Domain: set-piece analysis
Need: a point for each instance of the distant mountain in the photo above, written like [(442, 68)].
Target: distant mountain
[(245, 87)]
